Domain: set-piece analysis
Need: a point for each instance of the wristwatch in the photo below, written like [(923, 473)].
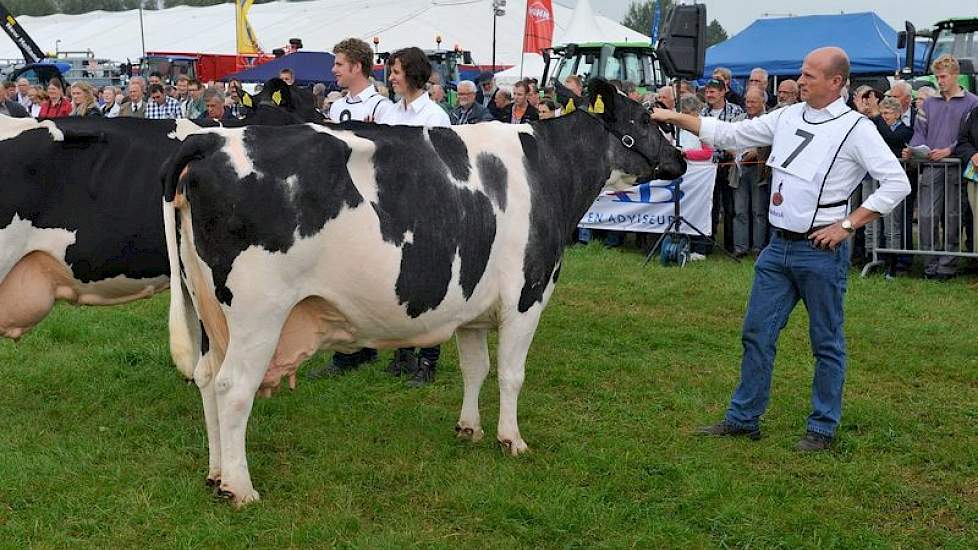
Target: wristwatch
[(847, 225)]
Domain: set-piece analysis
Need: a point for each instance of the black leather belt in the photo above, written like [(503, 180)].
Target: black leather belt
[(794, 236)]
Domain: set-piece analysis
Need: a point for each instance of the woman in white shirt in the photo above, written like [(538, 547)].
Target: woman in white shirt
[(409, 73)]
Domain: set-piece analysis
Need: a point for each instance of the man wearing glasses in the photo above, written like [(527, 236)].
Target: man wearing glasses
[(468, 110), (758, 79)]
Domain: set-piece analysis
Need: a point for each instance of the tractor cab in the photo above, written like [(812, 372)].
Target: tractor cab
[(624, 61), (957, 37)]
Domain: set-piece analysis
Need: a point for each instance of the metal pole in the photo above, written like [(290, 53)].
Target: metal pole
[(494, 40), (142, 35)]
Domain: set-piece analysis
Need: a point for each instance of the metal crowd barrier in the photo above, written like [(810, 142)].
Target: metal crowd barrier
[(938, 197)]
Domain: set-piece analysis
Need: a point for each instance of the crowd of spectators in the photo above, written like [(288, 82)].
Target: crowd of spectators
[(142, 98)]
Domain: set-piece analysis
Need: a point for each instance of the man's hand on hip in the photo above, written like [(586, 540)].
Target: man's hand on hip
[(829, 237)]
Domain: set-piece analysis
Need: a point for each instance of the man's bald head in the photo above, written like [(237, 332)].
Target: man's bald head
[(832, 60), (823, 76)]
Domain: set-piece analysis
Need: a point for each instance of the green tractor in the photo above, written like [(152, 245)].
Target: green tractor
[(957, 36), (626, 61)]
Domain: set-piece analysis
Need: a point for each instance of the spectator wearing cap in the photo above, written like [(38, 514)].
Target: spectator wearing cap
[(719, 108), (469, 111), (486, 94), (938, 123), (787, 93), (724, 75)]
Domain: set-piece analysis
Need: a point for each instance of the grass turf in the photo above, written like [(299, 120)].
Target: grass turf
[(102, 444)]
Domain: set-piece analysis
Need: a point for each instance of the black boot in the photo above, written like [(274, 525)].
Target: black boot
[(405, 362), (425, 373)]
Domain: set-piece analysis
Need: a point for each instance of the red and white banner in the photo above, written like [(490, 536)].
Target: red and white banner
[(539, 26)]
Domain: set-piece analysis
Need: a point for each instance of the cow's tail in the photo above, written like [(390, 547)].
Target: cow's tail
[(185, 330)]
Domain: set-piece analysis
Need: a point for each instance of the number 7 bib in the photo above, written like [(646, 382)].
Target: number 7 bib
[(802, 153)]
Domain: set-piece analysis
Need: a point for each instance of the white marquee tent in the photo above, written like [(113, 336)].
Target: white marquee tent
[(319, 23)]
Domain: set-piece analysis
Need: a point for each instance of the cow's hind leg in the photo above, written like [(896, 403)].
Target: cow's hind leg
[(515, 335), (474, 359), (250, 349), (204, 378)]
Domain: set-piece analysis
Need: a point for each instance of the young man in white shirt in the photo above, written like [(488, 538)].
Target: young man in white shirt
[(820, 151), (351, 69)]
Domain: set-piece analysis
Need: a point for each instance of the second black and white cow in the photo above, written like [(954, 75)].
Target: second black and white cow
[(80, 207), (357, 235)]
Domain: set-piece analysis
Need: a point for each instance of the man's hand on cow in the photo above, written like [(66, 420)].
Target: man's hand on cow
[(829, 237), (663, 115), (939, 154)]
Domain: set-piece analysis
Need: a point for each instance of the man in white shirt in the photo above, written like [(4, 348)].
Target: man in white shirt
[(351, 68), (820, 151), (353, 61)]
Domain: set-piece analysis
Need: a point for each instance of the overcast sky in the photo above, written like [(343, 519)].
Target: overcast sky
[(734, 15)]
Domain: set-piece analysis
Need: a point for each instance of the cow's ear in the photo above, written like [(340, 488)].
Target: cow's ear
[(602, 98)]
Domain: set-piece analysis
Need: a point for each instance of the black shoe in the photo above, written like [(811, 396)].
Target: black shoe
[(329, 370), (366, 355), (405, 362), (729, 430), (424, 375), (814, 442)]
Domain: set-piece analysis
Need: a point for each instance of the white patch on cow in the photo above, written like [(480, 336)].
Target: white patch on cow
[(184, 128), (235, 149), (360, 165), (408, 237), (20, 238), (11, 127)]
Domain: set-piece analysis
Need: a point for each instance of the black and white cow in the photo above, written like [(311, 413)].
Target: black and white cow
[(294, 239), (80, 208)]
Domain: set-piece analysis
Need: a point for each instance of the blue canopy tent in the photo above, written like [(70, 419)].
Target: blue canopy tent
[(309, 68), (779, 45)]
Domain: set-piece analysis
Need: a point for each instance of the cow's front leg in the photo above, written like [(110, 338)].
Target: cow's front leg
[(474, 360), (248, 356), (204, 378), (515, 335)]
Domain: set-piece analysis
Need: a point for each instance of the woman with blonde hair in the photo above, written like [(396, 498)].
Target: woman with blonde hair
[(83, 100)]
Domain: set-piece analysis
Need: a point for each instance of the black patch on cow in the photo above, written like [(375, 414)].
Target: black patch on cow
[(416, 194), (205, 343), (300, 183), (494, 175), (102, 183), (566, 168), (452, 151)]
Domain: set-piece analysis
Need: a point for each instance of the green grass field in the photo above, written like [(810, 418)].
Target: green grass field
[(103, 445)]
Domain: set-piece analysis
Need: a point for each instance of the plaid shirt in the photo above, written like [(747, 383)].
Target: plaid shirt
[(729, 112), (169, 109)]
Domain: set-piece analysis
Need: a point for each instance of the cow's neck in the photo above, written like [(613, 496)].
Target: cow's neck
[(573, 163)]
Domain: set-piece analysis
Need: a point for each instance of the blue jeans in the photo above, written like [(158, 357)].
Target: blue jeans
[(785, 272)]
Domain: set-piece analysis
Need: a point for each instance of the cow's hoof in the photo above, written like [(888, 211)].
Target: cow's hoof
[(468, 433), (513, 447), (235, 499)]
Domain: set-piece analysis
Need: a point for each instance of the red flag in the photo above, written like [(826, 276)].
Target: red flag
[(539, 26)]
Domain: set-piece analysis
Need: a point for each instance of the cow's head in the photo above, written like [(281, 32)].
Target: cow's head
[(638, 149), (278, 102)]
